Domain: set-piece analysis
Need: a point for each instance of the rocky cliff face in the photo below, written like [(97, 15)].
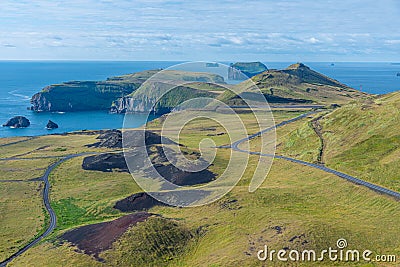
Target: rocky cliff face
[(80, 96), (40, 103), (113, 92), (152, 99), (132, 104)]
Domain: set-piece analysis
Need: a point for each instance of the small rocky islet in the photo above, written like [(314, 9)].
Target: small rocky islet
[(23, 122), (17, 122), (51, 125)]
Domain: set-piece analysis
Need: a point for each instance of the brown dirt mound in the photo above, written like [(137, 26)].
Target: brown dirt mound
[(137, 202), (95, 238)]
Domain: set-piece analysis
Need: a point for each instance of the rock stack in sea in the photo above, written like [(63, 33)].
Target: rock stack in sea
[(51, 125), (17, 122)]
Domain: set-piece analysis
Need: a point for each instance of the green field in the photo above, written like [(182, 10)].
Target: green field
[(22, 215)]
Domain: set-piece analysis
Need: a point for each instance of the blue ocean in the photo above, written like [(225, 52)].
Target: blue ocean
[(19, 80)]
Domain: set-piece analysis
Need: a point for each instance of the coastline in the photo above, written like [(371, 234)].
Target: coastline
[(69, 122)]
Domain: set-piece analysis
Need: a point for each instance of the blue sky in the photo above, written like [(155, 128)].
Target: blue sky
[(351, 30)]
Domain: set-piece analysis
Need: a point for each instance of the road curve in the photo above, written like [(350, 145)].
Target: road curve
[(377, 188), (46, 201)]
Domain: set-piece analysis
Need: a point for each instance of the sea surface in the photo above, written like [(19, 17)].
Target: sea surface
[(19, 80)]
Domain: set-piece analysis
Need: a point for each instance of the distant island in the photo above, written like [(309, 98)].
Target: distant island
[(212, 65), (245, 70)]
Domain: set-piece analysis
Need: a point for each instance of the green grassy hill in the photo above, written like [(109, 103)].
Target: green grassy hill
[(164, 92), (363, 139), (296, 84)]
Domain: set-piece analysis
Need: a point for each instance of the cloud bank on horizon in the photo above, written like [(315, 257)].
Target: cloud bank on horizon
[(353, 30)]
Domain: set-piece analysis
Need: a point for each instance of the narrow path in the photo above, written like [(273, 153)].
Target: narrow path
[(317, 127), (29, 152), (46, 201), (20, 141), (377, 188), (31, 158)]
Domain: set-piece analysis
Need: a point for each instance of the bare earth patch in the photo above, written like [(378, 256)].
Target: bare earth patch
[(96, 238)]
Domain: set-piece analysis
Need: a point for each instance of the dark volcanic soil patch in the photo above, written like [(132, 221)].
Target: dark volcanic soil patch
[(133, 138), (176, 175), (182, 178), (105, 162), (137, 202), (144, 201), (109, 161), (109, 139), (95, 238)]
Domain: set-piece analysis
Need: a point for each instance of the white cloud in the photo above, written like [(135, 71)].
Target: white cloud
[(232, 29), (393, 42), (313, 40)]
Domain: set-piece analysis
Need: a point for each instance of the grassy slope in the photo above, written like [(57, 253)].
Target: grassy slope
[(299, 199), (9, 140), (297, 82), (154, 242), (23, 169), (363, 139), (301, 142), (22, 212), (21, 216), (50, 145), (190, 78), (167, 90), (75, 194), (297, 139)]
